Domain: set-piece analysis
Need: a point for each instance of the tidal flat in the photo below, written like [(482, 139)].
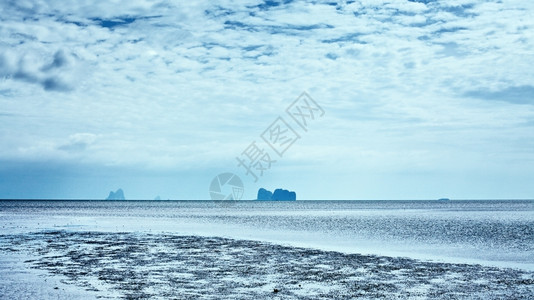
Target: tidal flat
[(129, 265)]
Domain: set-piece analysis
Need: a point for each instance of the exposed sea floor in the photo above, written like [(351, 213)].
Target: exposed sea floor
[(135, 265), (265, 250)]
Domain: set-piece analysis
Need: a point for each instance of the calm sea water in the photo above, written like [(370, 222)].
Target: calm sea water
[(491, 232)]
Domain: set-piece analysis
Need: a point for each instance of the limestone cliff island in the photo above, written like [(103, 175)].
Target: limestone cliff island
[(278, 195)]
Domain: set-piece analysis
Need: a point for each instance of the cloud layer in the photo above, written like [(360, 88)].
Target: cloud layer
[(408, 87)]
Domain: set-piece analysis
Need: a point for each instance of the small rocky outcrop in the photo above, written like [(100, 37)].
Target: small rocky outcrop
[(118, 195)]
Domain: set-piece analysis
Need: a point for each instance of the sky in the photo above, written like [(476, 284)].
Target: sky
[(406, 99)]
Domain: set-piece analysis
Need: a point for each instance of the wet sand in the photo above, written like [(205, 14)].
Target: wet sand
[(139, 265)]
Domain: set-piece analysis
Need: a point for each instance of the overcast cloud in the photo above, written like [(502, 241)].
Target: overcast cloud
[(422, 99)]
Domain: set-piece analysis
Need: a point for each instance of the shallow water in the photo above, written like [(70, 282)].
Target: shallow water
[(490, 232)]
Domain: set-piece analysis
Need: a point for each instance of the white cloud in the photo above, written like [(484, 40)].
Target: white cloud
[(57, 72), (190, 84)]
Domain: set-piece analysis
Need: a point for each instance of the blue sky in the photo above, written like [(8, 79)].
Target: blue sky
[(422, 99)]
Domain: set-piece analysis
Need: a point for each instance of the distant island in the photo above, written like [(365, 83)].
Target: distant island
[(118, 195), (278, 195), (444, 199)]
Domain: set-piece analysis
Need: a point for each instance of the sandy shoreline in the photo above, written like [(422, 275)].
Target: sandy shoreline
[(140, 265)]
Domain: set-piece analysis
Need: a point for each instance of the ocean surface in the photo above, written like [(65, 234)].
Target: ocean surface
[(488, 232)]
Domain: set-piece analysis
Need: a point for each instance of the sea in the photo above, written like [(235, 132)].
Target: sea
[(497, 233)]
